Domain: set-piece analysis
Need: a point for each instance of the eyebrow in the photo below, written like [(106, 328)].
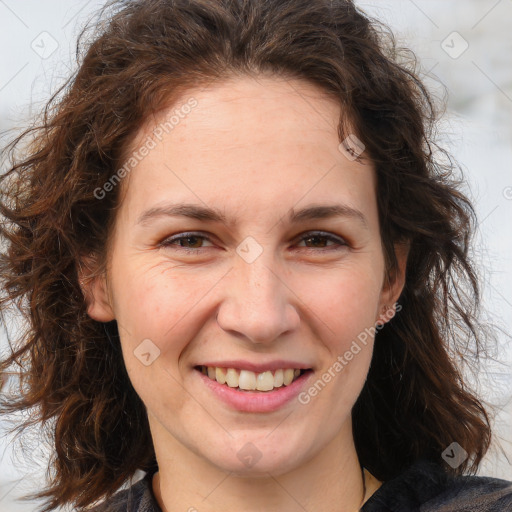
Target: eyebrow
[(198, 212)]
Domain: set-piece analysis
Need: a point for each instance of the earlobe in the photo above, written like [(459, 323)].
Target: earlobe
[(394, 286), (95, 290)]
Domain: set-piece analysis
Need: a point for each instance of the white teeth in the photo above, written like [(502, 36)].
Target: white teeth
[(265, 381), (288, 376), (250, 381), (247, 380), (232, 378), (220, 375)]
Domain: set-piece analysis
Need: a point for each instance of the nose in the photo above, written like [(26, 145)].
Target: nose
[(258, 304)]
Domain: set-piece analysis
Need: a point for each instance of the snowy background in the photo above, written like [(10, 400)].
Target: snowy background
[(466, 45)]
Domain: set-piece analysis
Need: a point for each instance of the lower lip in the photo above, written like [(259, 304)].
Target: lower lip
[(257, 401)]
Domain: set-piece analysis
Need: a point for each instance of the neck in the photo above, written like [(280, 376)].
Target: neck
[(332, 480)]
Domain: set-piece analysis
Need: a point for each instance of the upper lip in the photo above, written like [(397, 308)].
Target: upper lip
[(257, 367)]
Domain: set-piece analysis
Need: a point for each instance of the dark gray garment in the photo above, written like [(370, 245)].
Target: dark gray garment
[(423, 487)]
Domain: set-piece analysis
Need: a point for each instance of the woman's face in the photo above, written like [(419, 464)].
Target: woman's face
[(275, 263)]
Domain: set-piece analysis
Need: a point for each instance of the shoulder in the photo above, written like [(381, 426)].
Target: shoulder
[(423, 487), (138, 498), (473, 493), (426, 487)]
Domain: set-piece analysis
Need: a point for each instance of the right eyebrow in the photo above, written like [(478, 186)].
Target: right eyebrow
[(199, 212)]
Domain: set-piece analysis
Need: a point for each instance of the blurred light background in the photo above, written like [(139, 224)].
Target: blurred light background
[(465, 45)]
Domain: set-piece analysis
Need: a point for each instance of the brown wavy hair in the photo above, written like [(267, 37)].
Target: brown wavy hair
[(132, 61)]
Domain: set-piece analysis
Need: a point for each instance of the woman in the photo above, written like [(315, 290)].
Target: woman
[(236, 250)]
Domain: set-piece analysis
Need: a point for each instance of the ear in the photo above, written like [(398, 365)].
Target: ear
[(95, 290), (393, 285)]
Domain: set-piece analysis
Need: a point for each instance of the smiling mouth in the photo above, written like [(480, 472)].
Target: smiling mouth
[(245, 380)]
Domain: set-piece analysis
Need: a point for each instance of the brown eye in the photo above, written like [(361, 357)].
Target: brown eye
[(320, 240), (186, 241), (194, 242)]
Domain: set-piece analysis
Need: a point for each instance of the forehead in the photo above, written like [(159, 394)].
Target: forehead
[(256, 138), (270, 102)]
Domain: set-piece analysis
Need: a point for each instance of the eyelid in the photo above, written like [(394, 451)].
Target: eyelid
[(340, 241), (324, 234), (166, 242)]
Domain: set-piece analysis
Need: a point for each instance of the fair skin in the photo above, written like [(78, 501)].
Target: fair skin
[(253, 149)]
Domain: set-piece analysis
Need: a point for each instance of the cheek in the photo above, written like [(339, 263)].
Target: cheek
[(157, 313), (345, 307), (344, 303), (154, 300)]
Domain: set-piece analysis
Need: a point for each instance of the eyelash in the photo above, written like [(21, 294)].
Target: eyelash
[(169, 242)]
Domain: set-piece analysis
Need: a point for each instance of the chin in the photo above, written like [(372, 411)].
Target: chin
[(258, 459)]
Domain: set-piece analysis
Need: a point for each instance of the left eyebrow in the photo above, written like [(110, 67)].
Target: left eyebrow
[(326, 212), (198, 212)]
